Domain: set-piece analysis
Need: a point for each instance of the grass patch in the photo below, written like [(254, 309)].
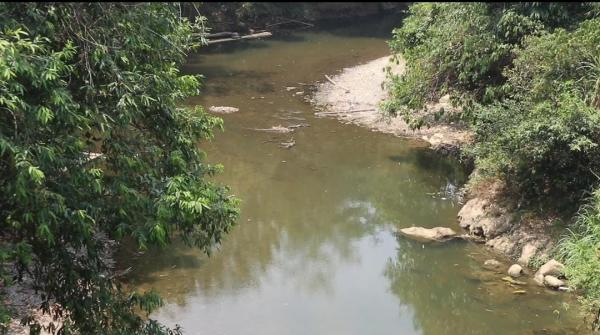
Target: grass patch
[(580, 252)]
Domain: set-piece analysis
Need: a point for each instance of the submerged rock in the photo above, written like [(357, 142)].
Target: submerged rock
[(429, 234), (223, 109), (492, 264), (512, 281), (515, 271)]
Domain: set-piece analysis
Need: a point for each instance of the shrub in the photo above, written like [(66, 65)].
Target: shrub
[(545, 138), (463, 49), (580, 252)]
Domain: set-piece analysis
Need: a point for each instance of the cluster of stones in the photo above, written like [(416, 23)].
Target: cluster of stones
[(550, 274)]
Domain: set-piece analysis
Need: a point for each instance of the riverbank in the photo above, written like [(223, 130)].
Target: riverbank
[(354, 95)]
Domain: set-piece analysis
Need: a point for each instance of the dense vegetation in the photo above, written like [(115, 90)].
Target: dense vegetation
[(527, 76), (94, 146), (246, 16)]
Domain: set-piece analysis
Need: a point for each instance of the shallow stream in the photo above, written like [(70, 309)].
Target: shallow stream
[(315, 249)]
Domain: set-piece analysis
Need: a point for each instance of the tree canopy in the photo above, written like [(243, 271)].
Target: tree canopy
[(95, 145)]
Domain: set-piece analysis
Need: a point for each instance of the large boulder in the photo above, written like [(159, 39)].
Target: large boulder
[(551, 268), (480, 217), (553, 282), (429, 234)]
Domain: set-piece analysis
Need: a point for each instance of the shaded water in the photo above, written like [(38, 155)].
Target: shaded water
[(315, 251)]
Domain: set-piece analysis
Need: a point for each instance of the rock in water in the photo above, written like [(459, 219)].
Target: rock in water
[(429, 234), (551, 268), (223, 109), (512, 281), (492, 264), (553, 282), (515, 271)]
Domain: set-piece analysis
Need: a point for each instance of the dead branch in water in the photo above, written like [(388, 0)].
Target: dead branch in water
[(336, 84), (286, 21), (281, 129), (245, 37), (294, 126), (288, 144), (345, 112), (274, 129)]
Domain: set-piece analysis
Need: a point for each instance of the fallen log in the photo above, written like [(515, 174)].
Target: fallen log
[(245, 37)]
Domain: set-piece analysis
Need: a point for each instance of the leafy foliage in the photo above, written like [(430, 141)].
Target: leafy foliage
[(94, 145), (545, 139), (243, 15), (462, 49)]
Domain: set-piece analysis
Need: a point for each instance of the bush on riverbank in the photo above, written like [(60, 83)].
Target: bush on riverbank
[(463, 48), (544, 136), (528, 79)]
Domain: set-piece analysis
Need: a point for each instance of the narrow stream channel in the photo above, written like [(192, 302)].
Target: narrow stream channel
[(315, 251)]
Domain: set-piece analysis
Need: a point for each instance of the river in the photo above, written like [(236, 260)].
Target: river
[(315, 249)]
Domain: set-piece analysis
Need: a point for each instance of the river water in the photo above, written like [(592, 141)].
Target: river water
[(315, 249)]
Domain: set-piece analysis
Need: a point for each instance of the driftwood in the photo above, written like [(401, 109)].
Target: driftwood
[(336, 84), (345, 112), (288, 144), (281, 129), (245, 37), (275, 129), (294, 126)]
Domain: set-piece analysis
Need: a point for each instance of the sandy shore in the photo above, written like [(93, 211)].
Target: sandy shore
[(357, 93)]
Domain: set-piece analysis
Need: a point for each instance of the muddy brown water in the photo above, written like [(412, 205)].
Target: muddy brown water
[(315, 249)]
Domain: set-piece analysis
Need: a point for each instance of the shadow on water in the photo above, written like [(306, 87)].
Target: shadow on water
[(375, 26), (429, 160), (232, 47)]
